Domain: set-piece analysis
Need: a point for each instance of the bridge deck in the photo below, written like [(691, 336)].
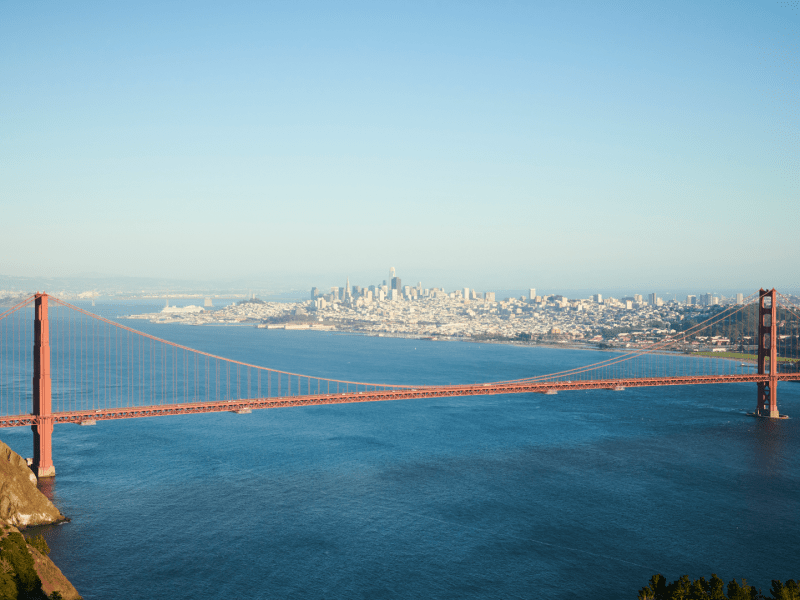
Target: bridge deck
[(398, 394)]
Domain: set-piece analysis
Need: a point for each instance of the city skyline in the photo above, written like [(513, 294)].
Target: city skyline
[(153, 287), (575, 146)]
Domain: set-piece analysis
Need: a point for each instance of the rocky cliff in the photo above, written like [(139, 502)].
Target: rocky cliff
[(21, 502), (25, 569)]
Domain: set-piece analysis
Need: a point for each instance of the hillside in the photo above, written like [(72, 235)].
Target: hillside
[(25, 569)]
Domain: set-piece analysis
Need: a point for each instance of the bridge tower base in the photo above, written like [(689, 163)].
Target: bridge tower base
[(767, 354), (42, 399)]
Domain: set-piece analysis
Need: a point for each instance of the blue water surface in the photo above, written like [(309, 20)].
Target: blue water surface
[(585, 494)]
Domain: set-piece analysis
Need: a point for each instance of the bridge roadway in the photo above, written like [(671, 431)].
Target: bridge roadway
[(478, 389)]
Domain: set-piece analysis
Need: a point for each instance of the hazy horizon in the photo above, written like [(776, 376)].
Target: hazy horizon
[(107, 287), (496, 146)]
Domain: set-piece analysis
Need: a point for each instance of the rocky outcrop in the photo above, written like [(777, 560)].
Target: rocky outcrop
[(26, 571), (21, 502)]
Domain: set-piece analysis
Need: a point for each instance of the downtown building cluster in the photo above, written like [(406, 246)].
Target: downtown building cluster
[(390, 308), (394, 309)]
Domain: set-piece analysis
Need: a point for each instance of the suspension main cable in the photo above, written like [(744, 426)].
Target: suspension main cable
[(634, 354), (187, 348)]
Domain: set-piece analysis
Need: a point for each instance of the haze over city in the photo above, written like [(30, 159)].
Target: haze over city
[(497, 146)]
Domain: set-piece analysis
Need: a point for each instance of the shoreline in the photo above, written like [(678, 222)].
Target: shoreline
[(562, 345)]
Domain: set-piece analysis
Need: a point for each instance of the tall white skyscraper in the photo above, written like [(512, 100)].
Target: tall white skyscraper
[(532, 294)]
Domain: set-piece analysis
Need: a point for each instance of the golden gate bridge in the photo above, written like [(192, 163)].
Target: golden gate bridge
[(85, 368)]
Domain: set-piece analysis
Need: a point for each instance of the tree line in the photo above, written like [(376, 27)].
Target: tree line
[(715, 589)]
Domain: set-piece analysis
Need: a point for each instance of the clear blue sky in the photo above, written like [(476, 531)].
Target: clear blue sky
[(487, 144)]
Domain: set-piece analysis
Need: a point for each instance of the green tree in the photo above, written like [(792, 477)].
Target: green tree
[(789, 591), (656, 590), (40, 544), (14, 551), (742, 592), (8, 584)]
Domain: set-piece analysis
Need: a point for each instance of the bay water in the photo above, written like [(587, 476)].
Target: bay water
[(584, 494)]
